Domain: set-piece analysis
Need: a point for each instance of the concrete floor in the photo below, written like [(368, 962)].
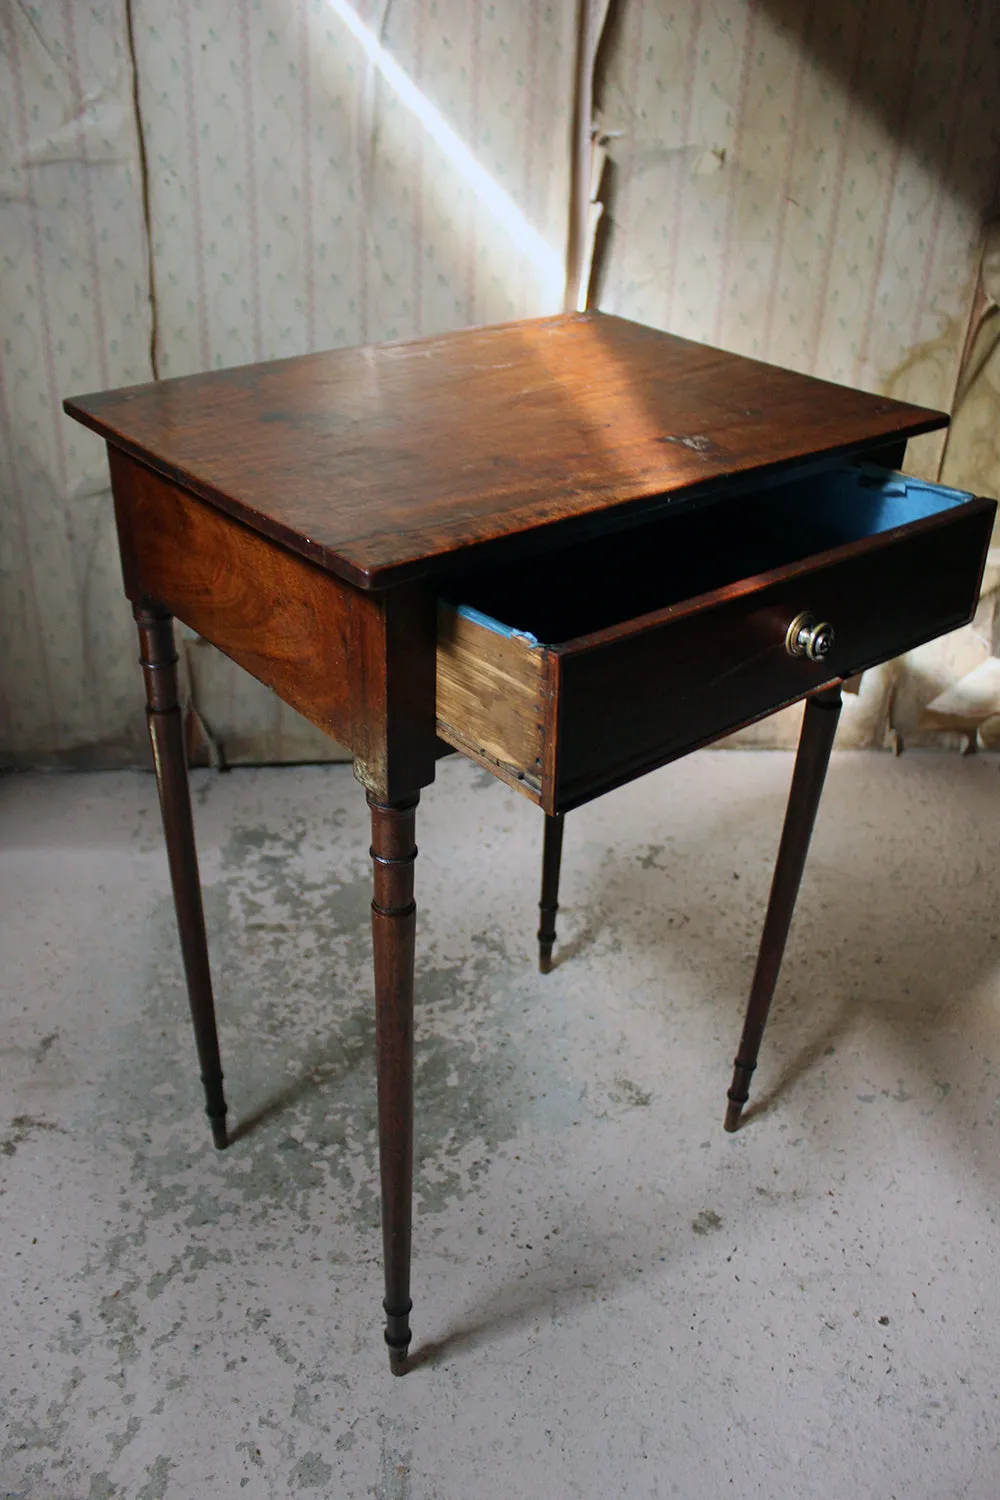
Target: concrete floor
[(612, 1297)]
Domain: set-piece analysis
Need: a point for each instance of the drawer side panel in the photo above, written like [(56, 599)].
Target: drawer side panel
[(491, 698)]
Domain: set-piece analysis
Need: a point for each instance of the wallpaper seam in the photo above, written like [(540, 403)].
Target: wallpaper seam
[(197, 218), (147, 219)]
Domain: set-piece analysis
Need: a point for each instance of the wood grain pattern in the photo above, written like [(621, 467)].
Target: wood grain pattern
[(490, 698), (406, 460), (284, 620), (548, 901), (360, 666)]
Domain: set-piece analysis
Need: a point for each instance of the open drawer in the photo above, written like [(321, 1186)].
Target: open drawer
[(578, 669)]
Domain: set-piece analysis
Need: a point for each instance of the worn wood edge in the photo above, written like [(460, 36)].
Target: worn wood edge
[(552, 746), (526, 531), (393, 692), (510, 774), (490, 692)]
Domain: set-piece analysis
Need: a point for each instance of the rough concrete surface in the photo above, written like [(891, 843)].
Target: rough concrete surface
[(612, 1297)]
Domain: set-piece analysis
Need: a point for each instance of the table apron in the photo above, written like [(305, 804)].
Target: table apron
[(358, 665)]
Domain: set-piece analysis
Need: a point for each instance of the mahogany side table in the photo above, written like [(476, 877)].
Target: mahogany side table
[(571, 548)]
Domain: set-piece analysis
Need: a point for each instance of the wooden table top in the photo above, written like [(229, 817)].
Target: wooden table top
[(400, 461)]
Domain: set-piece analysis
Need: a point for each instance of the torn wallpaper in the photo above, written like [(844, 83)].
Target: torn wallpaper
[(801, 182), (809, 184)]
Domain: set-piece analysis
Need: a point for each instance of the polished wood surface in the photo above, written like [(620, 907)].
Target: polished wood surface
[(409, 460), (819, 726)]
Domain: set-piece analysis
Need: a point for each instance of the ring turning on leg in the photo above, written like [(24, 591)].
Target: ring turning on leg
[(393, 853), (549, 902)]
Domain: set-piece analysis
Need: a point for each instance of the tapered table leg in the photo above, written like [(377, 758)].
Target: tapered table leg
[(819, 725), (166, 733), (394, 910), (549, 903)]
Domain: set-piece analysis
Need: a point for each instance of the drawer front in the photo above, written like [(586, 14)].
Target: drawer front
[(633, 699)]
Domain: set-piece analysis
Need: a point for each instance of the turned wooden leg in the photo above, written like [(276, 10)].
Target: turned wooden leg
[(548, 905), (819, 726), (166, 733), (394, 911)]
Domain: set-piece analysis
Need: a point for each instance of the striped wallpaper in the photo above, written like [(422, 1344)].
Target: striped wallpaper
[(790, 179), (807, 183), (295, 203), (74, 315), (803, 182)]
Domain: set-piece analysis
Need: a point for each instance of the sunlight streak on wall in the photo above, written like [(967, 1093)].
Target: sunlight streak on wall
[(548, 264)]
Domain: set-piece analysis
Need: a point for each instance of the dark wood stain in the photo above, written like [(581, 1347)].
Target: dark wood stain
[(548, 902), (393, 853), (159, 670), (720, 662), (819, 725), (620, 692)]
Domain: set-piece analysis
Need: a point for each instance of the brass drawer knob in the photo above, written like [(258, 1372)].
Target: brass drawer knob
[(809, 637)]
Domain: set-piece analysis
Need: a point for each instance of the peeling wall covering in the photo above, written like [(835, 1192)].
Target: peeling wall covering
[(808, 184), (787, 179)]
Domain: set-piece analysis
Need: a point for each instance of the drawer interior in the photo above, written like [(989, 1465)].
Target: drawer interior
[(600, 583)]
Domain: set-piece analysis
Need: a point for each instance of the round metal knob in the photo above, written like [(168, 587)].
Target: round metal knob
[(809, 637)]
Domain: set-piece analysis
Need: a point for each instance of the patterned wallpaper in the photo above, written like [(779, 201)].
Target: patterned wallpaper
[(791, 179), (295, 202), (808, 183), (74, 315)]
